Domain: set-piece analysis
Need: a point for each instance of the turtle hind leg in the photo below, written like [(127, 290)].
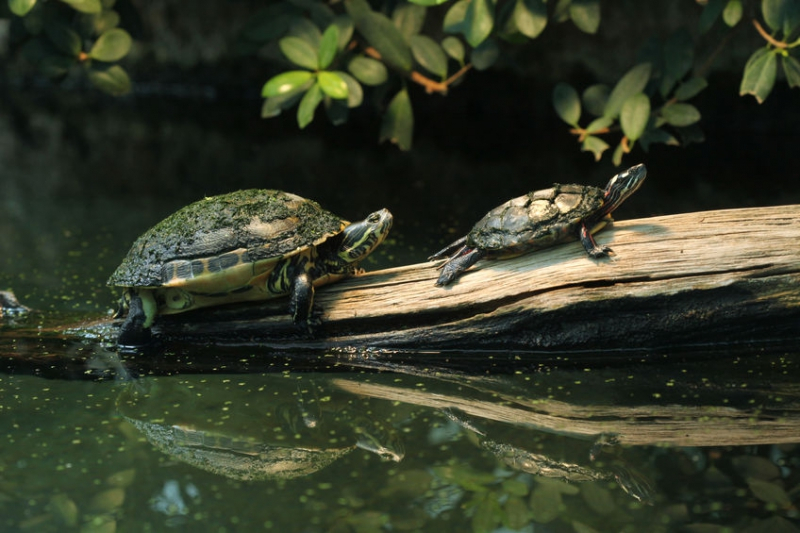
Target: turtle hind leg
[(449, 249), (464, 258), (594, 250), (301, 303), (133, 332)]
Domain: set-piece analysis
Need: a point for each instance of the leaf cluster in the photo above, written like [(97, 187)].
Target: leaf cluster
[(57, 36)]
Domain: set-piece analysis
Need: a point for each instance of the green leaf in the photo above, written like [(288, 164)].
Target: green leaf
[(769, 492), (619, 151), (428, 2), (285, 83), (530, 17), (634, 116), (759, 74), (274, 105), (382, 34), (599, 124), (478, 22), (368, 71), (454, 18), (43, 54), (691, 134), (595, 145), (634, 81), (345, 24), (269, 23), (775, 12), (791, 67), (595, 98), (309, 103), (398, 122), (585, 14), (21, 7), (328, 46), (102, 22), (113, 80), (355, 94), (429, 54), (454, 48), (678, 59), (65, 40), (409, 18), (299, 52), (656, 135), (791, 18), (332, 84), (567, 103), (86, 6), (680, 114), (306, 30), (337, 111), (710, 14), (485, 55), (690, 88), (111, 45), (732, 13)]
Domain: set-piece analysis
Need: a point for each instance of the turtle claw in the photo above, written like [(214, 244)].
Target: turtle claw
[(599, 252)]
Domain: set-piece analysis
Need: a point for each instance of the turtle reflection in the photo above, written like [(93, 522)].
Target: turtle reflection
[(604, 454), (254, 427)]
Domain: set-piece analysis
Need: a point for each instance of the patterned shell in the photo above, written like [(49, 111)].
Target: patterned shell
[(218, 233), (537, 220)]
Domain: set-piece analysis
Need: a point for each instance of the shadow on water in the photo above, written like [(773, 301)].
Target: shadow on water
[(369, 440)]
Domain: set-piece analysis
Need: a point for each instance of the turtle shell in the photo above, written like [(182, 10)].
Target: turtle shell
[(206, 244), (536, 220)]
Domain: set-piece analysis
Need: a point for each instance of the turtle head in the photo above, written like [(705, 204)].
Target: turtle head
[(623, 185), (359, 239)]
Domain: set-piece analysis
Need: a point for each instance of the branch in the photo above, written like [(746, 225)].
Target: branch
[(431, 86), (767, 37)]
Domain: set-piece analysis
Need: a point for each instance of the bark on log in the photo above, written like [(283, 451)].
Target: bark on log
[(704, 277)]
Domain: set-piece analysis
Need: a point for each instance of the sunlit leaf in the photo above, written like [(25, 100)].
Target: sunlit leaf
[(454, 18), (710, 14), (775, 12), (368, 71), (332, 84), (634, 81), (680, 114), (454, 48), (530, 17), (397, 125), (102, 22), (308, 104), (274, 105), (428, 2), (515, 513), (690, 88), (595, 97), (303, 28), (600, 124), (409, 18), (595, 145), (478, 21), (485, 55), (299, 52), (732, 13), (328, 46), (113, 45), (487, 514), (791, 68), (429, 54), (113, 80), (382, 34), (85, 6), (285, 82), (585, 14), (567, 103), (616, 157), (346, 26), (634, 116), (21, 7), (759, 74), (355, 94), (66, 40)]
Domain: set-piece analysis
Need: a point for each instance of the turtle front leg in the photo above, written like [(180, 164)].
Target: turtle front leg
[(135, 331), (594, 250), (301, 302), (449, 249), (464, 258)]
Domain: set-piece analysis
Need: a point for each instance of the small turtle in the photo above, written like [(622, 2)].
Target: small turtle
[(538, 220), (246, 245)]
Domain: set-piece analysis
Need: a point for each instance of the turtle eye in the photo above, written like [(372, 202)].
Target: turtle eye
[(374, 218)]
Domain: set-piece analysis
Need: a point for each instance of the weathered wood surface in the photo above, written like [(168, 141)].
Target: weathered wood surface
[(714, 276)]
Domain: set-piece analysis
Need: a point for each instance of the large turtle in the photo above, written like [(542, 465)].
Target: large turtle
[(246, 245), (538, 220)]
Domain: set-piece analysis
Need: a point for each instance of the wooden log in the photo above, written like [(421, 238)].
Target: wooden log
[(704, 277)]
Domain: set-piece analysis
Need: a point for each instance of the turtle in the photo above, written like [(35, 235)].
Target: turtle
[(540, 219), (246, 245)]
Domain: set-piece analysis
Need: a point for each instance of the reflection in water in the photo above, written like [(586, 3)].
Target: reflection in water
[(376, 447)]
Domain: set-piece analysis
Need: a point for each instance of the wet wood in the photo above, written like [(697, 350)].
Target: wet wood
[(714, 276)]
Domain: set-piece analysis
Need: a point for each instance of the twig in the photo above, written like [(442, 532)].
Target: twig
[(431, 86), (767, 37)]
